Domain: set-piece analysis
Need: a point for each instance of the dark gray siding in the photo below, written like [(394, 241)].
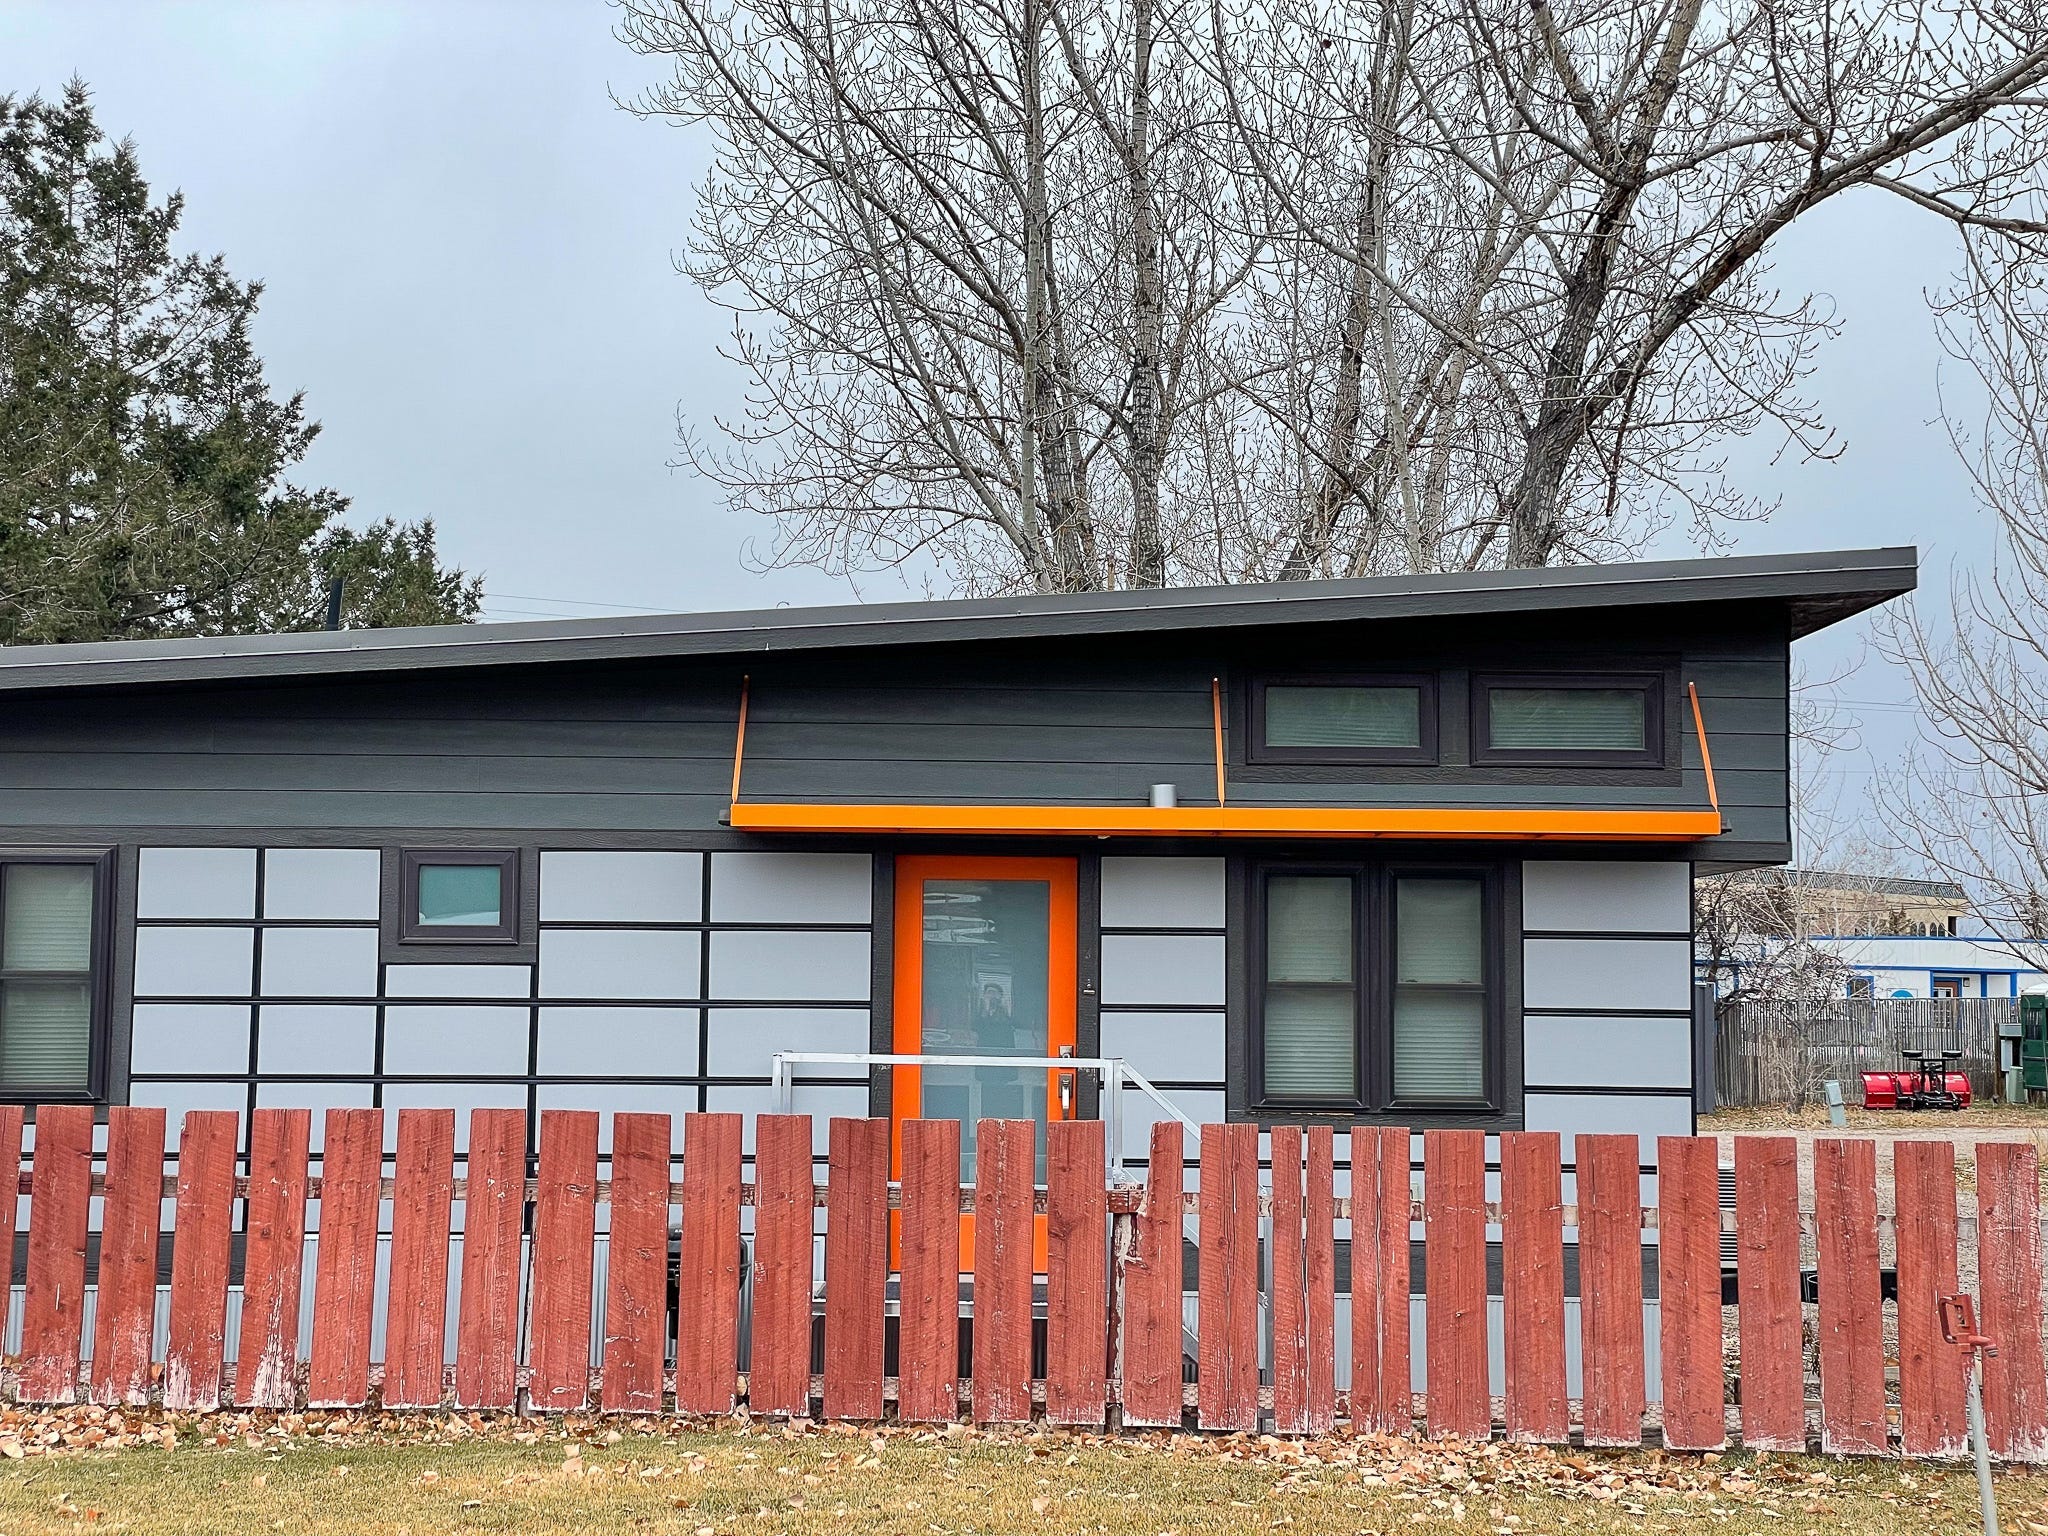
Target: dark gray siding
[(638, 748)]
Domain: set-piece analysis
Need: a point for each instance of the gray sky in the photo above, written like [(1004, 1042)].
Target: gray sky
[(468, 250)]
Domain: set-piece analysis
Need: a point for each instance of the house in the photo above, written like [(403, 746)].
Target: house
[(1876, 935), (1415, 850)]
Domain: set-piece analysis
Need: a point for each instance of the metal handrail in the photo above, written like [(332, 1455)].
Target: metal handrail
[(1113, 1071)]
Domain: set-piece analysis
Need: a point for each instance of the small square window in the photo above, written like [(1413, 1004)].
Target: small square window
[(1378, 719), (1613, 720), (459, 896)]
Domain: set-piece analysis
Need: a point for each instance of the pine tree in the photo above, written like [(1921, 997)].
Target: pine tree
[(143, 456)]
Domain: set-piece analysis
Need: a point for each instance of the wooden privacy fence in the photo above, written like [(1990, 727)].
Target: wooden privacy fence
[(1778, 1052), (1109, 1299)]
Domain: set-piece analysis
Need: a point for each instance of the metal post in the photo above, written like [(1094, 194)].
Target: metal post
[(1115, 1083), (1959, 1327), (783, 1092)]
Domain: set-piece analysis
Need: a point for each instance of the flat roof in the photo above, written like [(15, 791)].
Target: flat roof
[(1815, 590)]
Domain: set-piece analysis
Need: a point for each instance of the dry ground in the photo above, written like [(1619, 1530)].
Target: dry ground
[(441, 1475)]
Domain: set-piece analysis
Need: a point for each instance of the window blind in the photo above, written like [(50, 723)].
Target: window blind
[(1439, 989), (1311, 1002), (1568, 719), (1336, 716), (1308, 928), (48, 918), (1439, 1045)]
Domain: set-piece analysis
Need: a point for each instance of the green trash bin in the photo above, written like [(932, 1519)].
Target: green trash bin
[(2034, 1042)]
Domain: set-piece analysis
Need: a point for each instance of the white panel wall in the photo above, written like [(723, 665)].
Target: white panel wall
[(1607, 998)]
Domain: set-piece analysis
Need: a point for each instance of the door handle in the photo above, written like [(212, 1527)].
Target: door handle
[(1066, 1075)]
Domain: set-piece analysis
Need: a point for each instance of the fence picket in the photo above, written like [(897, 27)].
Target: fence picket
[(1148, 1339), (1689, 1291), (856, 1266), (1076, 1281), (1532, 1252), (345, 1260), (53, 1310), (928, 1347), (493, 1217), (12, 1119), (1611, 1288), (1454, 1258), (1319, 1275), (1227, 1279), (274, 1254), (1773, 1375), (1931, 1372), (1004, 1242), (200, 1247), (1290, 1286), (779, 1380), (1381, 1187), (2009, 1237), (131, 1230), (708, 1283), (636, 1280), (416, 1294), (564, 1256), (1851, 1304)]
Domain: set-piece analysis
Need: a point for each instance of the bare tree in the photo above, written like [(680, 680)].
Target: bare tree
[(1061, 297), (1972, 802), (1539, 232)]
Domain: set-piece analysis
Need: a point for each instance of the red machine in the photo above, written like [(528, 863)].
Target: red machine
[(1916, 1089)]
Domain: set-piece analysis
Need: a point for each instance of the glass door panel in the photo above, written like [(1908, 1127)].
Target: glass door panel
[(985, 966)]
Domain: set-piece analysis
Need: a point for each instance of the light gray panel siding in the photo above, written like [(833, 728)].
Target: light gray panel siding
[(578, 887), (320, 962), (1201, 1105), (1167, 1047), (463, 1098), (458, 981), (194, 962), (1607, 973), (1162, 970), (821, 1101), (195, 882), (322, 883), (619, 1042), (824, 966), (1617, 896), (1647, 1116), (176, 1099), (1615, 1053), (1145, 892), (602, 962), (449, 1039), (190, 1037), (315, 1040), (792, 887), (740, 1042)]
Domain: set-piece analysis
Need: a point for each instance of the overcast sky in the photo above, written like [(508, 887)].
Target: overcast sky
[(467, 249)]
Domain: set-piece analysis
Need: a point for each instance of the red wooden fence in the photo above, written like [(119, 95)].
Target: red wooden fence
[(1085, 1306)]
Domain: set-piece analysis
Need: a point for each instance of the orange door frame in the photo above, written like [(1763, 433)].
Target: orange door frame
[(1063, 989)]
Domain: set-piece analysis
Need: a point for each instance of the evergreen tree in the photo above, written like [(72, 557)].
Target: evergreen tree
[(143, 457)]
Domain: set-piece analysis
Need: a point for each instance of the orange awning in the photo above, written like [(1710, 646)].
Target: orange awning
[(1447, 825)]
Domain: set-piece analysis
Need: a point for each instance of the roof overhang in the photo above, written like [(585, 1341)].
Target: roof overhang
[(1812, 591)]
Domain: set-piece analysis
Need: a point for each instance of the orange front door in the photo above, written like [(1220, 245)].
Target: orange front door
[(985, 966)]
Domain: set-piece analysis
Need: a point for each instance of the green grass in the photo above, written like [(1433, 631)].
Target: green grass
[(967, 1485)]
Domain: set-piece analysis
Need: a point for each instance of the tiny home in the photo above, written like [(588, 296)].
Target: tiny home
[(1411, 850)]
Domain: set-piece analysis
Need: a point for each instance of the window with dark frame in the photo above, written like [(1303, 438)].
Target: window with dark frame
[(1376, 986), (53, 945), (1613, 720), (459, 896), (1377, 718)]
